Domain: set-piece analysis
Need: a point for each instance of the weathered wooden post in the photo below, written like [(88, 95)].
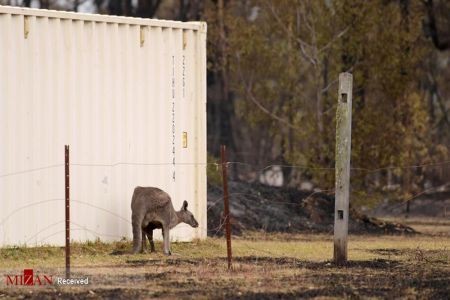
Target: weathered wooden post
[(343, 150)]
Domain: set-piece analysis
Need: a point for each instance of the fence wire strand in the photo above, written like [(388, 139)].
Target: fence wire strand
[(31, 170), (210, 204), (217, 164)]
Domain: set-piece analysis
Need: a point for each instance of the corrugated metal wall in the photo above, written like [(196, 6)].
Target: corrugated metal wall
[(120, 92)]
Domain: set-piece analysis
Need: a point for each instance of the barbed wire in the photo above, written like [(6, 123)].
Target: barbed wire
[(215, 231), (31, 170), (219, 227), (102, 165), (2, 222), (219, 164), (98, 234), (140, 164), (61, 199), (431, 164), (42, 230), (261, 170), (415, 196), (82, 227), (249, 197), (258, 197), (214, 203), (71, 200), (368, 170), (103, 209), (259, 250), (231, 195), (210, 204)]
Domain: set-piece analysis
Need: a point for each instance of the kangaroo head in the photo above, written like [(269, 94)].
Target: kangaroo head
[(186, 216)]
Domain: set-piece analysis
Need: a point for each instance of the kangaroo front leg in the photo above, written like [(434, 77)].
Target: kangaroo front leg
[(166, 240)]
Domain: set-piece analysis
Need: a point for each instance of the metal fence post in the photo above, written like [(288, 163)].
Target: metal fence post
[(343, 151), (67, 205), (226, 203)]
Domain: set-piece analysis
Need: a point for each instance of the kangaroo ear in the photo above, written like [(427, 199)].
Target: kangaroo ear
[(185, 205)]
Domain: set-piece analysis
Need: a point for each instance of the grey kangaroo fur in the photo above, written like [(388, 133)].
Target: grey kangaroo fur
[(152, 209)]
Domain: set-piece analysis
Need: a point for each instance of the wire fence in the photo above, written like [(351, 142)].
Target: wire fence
[(212, 203), (218, 164)]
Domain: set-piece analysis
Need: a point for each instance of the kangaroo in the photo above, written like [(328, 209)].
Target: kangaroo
[(151, 208)]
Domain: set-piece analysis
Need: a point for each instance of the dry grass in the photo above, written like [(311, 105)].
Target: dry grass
[(426, 225), (264, 266)]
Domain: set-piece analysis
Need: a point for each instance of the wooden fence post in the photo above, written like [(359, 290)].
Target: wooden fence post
[(226, 207), (67, 204), (343, 151)]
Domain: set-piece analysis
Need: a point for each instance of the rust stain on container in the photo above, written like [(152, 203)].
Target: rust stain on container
[(26, 26), (184, 39), (185, 139), (142, 36)]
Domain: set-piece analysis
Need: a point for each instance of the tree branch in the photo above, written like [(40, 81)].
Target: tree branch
[(248, 92), (432, 27)]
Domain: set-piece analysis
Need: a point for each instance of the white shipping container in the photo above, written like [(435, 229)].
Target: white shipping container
[(129, 97)]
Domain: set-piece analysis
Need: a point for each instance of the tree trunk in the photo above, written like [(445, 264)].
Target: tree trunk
[(432, 27), (147, 8), (45, 4), (226, 104)]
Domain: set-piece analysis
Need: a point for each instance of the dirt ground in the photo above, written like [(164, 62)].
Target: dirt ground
[(265, 266)]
